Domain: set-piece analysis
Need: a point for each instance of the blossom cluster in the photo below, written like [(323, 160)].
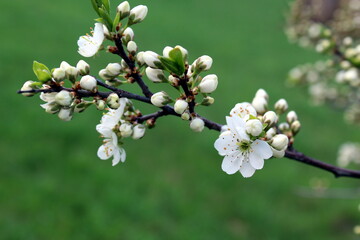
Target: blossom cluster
[(252, 134)]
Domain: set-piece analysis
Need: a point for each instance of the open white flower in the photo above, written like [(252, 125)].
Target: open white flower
[(111, 147), (243, 110), (90, 45), (241, 153)]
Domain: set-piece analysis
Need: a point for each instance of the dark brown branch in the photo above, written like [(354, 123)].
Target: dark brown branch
[(134, 73), (152, 116)]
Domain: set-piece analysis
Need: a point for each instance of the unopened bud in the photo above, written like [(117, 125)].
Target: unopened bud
[(104, 74), (58, 74), (281, 106), (279, 142), (83, 67), (151, 59), (27, 87), (270, 118), (138, 131), (113, 69), (180, 106), (123, 9), (128, 35), (185, 116), (137, 14), (140, 58), (197, 125), (260, 104), (88, 83), (262, 93), (166, 51), (155, 75), (113, 101), (291, 117), (100, 105), (126, 130), (132, 47), (65, 114), (160, 99), (208, 84), (72, 73), (64, 98), (254, 127), (283, 127), (207, 101), (278, 153), (270, 133), (295, 127), (203, 63)]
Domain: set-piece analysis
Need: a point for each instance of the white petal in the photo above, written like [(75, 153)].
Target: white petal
[(247, 170), (231, 163), (237, 126), (256, 161), (262, 149), (104, 130), (106, 151), (226, 143), (99, 33), (116, 158), (243, 110), (122, 155)]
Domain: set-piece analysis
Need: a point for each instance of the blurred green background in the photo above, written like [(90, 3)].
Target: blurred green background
[(53, 186)]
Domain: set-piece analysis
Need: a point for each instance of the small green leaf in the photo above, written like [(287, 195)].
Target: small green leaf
[(107, 5), (96, 6), (116, 21), (171, 66), (42, 72), (106, 18), (178, 58)]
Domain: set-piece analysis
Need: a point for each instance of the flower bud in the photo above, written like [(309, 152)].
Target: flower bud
[(128, 35), (113, 69), (83, 67), (151, 59), (155, 75), (207, 101), (279, 142), (124, 64), (100, 105), (106, 32), (58, 74), (277, 153), (283, 127), (262, 93), (203, 63), (132, 47), (113, 101), (166, 51), (105, 75), (123, 9), (323, 46), (174, 81), (270, 118), (140, 58), (65, 114), (64, 98), (137, 14), (180, 106), (51, 107), (291, 117), (197, 125), (281, 106), (270, 133), (208, 84), (185, 116), (138, 131), (184, 52), (126, 130), (64, 65), (295, 127), (260, 104), (160, 99), (72, 73), (88, 83), (254, 127), (80, 107), (27, 87)]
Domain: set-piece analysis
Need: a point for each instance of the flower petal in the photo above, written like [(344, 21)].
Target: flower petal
[(243, 110), (231, 163), (256, 161), (247, 170), (106, 151), (237, 126), (225, 143), (104, 130), (262, 149)]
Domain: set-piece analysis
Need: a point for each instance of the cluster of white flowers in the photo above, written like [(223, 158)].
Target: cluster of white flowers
[(113, 127), (348, 153), (250, 136)]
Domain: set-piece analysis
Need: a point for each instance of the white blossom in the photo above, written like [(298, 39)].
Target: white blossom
[(126, 129), (280, 142), (132, 47), (260, 104), (124, 9), (281, 106), (90, 45), (64, 98), (27, 87), (65, 114), (88, 83), (111, 147), (240, 152), (138, 14), (50, 106), (155, 75), (58, 74), (203, 63), (291, 117), (208, 84), (138, 131), (113, 69), (160, 99), (270, 118), (243, 110), (151, 59), (254, 127), (83, 67), (180, 106), (197, 125)]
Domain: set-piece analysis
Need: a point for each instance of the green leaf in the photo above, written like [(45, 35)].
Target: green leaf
[(171, 66), (178, 58), (106, 18), (42, 72), (95, 6), (116, 21), (106, 4)]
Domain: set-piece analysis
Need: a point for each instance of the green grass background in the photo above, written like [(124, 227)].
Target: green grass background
[(53, 186)]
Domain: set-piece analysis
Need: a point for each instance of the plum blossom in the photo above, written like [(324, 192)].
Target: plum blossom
[(106, 128), (90, 45), (241, 152)]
